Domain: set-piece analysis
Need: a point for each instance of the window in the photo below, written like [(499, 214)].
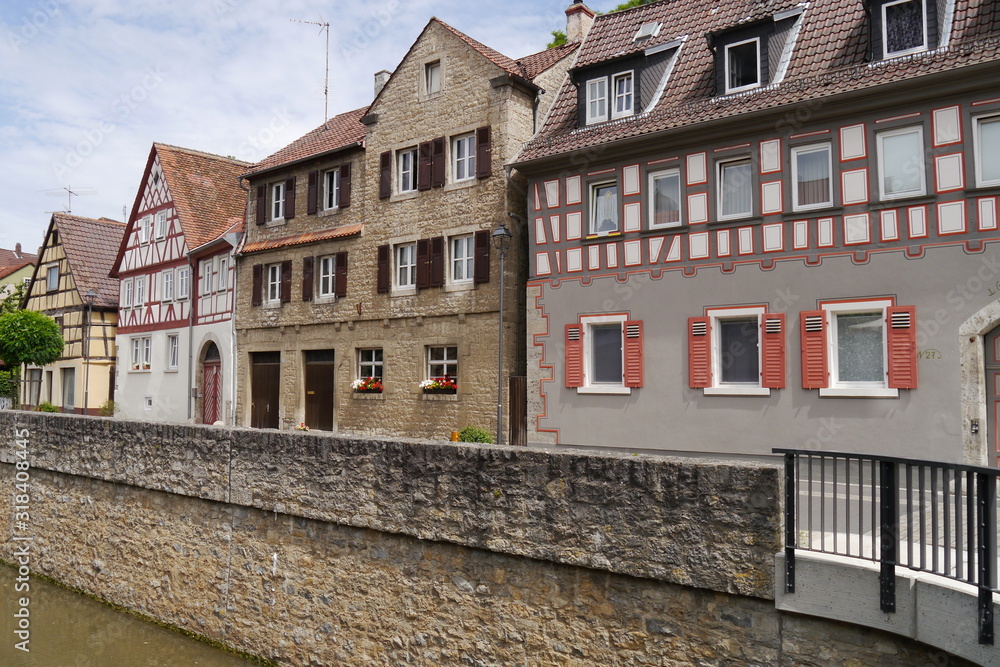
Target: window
[(370, 363), (811, 168), (328, 276), (277, 201), (735, 189), (168, 285), (331, 189), (69, 388), (272, 293), (223, 280), (603, 208), (987, 140), (442, 362), (432, 77), (463, 259), (904, 27), (624, 97), (406, 265), (901, 163), (141, 348), (127, 293), (597, 100), (173, 351), (182, 282), (743, 65), (604, 354), (737, 351), (147, 351), (52, 279), (665, 198), (144, 224), (206, 277), (140, 291), (161, 224), (463, 151), (58, 319), (408, 170)]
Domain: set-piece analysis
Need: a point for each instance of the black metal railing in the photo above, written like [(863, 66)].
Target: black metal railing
[(926, 516)]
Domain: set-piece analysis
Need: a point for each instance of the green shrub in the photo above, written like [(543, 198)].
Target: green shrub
[(45, 406), (9, 381), (474, 434), (108, 409)]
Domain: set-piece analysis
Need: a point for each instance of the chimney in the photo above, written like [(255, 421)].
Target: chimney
[(579, 18), (17, 251), (380, 79)]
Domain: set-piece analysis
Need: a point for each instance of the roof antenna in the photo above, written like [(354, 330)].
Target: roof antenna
[(70, 193), (326, 79)]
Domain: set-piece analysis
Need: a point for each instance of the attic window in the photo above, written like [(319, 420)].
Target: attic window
[(156, 177), (432, 77), (743, 65), (904, 27), (647, 30)]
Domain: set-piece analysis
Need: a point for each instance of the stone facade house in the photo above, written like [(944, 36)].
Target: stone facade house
[(177, 273), (70, 283), (368, 250), (771, 225)]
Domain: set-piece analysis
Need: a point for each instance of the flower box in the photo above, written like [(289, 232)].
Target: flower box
[(368, 385), (442, 390), (442, 385)]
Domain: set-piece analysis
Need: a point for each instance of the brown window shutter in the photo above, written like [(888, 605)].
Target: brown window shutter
[(437, 153), (574, 355), (484, 153), (423, 263), (384, 266), (699, 352), (425, 164), (812, 330), (481, 265), (437, 261), (257, 295), (901, 339), (633, 353), (312, 198), (307, 278), (286, 281), (289, 199), (341, 279), (772, 350), (385, 175), (345, 187), (261, 204)]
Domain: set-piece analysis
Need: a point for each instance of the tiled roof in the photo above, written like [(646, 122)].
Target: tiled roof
[(11, 262), (537, 63), (828, 59), (341, 131), (205, 190), (91, 247), (301, 239)]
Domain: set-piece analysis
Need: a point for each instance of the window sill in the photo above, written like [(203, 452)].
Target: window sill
[(271, 305), (439, 397), (367, 396), (464, 286), (277, 222), (902, 200), (987, 189), (597, 238), (817, 212), (608, 389), (460, 185), (737, 391), (734, 222), (326, 299), (329, 212), (859, 392), (403, 291), (402, 196)]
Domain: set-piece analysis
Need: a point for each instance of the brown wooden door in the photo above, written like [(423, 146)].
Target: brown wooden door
[(319, 385), (212, 392), (265, 377), (992, 344)]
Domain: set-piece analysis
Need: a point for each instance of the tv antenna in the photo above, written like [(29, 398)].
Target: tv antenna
[(325, 26), (70, 192)]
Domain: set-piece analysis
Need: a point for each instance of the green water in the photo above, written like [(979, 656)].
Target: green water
[(71, 630)]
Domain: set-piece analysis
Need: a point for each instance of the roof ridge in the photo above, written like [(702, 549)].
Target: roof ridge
[(193, 151), (486, 51)]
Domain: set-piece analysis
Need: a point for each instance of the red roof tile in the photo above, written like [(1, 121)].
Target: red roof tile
[(537, 63), (342, 131), (91, 247), (301, 239), (10, 261)]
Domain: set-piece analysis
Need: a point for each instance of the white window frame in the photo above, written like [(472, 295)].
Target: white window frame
[(855, 389), (147, 352), (652, 178), (135, 359), (587, 323), (980, 149), (145, 222), (802, 150), (183, 282), (446, 362), (463, 166), (173, 351), (331, 189), (720, 388), (410, 266), (431, 84), (751, 86), (222, 284), (594, 97), (720, 187), (276, 200), (371, 363), (880, 138), (462, 251), (127, 293), (272, 283), (404, 173), (140, 291), (885, 30), (161, 224), (592, 223), (327, 276), (206, 277), (167, 279), (630, 96), (50, 273)]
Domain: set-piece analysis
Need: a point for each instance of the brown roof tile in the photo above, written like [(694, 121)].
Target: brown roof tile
[(91, 247), (301, 239), (10, 261), (537, 63), (342, 131)]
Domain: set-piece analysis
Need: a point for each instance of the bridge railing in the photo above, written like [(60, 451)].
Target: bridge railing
[(927, 516)]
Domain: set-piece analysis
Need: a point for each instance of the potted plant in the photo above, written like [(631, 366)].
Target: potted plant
[(368, 385), (302, 427), (442, 385)]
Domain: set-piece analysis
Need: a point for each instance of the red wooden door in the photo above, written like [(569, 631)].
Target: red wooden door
[(992, 371), (212, 393)]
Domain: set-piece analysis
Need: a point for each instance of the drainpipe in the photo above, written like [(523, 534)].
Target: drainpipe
[(192, 295)]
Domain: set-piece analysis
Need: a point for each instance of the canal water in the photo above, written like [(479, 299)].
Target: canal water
[(71, 630)]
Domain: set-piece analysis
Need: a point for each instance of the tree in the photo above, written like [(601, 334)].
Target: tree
[(558, 39), (12, 301), (27, 337)]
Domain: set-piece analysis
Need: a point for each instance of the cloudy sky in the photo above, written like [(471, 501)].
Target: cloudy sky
[(86, 86)]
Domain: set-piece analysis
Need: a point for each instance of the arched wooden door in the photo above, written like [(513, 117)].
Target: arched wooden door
[(211, 394), (991, 343)]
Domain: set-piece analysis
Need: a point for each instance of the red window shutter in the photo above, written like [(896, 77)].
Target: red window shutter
[(772, 353), (289, 199), (437, 155), (901, 335), (261, 204), (633, 353), (437, 261), (307, 278), (286, 281), (345, 187), (425, 165), (484, 153), (341, 278), (699, 352), (312, 197), (384, 266), (257, 295), (423, 263), (481, 264), (385, 175), (815, 373), (574, 355)]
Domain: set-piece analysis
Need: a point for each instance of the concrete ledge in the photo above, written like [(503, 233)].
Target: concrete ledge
[(933, 610)]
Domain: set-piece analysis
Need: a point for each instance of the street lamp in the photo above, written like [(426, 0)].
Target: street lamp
[(88, 298), (501, 241)]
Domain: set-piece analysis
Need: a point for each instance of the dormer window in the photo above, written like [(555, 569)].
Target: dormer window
[(622, 102), (743, 65), (624, 97), (597, 100), (904, 27), (647, 30), (757, 54)]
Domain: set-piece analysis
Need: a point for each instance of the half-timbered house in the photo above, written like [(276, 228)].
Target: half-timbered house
[(771, 224), (70, 283), (177, 275)]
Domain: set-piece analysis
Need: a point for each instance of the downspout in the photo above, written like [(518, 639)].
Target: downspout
[(192, 295), (232, 319)]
